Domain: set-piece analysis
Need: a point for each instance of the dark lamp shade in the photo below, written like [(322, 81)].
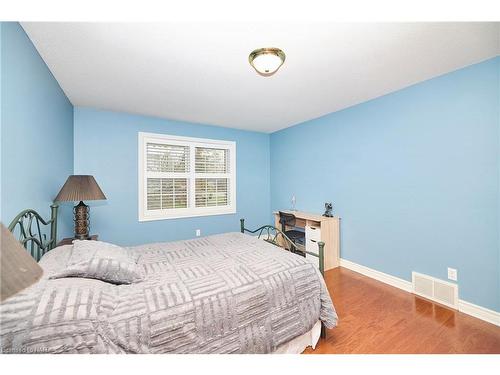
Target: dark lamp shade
[(80, 188), (18, 270)]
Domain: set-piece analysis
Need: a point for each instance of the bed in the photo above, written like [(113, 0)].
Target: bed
[(226, 293)]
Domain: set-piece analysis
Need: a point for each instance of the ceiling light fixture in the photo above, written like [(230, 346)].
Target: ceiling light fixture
[(266, 61)]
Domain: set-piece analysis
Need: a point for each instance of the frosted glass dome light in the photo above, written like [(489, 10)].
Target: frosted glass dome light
[(266, 61)]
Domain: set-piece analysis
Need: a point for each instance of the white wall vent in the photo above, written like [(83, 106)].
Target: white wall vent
[(435, 289)]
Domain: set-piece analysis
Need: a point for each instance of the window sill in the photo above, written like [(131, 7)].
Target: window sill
[(152, 217)]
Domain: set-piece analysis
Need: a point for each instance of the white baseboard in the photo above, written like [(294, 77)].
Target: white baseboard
[(479, 312), (377, 275), (465, 307)]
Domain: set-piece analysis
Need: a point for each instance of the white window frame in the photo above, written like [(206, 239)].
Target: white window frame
[(191, 210)]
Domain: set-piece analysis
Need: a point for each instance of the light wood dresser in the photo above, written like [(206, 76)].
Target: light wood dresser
[(318, 228)]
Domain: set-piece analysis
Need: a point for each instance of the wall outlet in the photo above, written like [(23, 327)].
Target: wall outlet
[(198, 232), (452, 274)]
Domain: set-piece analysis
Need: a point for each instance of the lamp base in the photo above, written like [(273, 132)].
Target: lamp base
[(82, 221), (81, 238)]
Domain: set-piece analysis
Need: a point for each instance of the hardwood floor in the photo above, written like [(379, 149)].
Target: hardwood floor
[(377, 318)]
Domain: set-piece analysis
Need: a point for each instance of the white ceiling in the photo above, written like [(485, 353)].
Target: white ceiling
[(199, 72)]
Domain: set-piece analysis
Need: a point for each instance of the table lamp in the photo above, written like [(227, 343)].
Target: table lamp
[(80, 188)]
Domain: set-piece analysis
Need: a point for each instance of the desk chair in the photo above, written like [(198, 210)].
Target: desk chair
[(297, 236)]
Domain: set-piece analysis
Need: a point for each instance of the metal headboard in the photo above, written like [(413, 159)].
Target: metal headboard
[(276, 237), (27, 228)]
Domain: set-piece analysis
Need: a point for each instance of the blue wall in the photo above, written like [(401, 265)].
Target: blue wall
[(414, 175), (37, 130), (106, 147)]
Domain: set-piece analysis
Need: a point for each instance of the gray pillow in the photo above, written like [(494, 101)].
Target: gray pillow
[(102, 261)]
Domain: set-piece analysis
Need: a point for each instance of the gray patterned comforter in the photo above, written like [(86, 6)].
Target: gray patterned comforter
[(228, 293)]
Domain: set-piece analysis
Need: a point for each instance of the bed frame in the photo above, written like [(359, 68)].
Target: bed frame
[(276, 237), (27, 228)]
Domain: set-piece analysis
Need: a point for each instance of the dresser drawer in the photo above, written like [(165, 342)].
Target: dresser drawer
[(312, 246), (313, 233)]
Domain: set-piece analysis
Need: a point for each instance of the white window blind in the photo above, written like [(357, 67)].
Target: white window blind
[(181, 177), (167, 158), (166, 193), (211, 160), (212, 192)]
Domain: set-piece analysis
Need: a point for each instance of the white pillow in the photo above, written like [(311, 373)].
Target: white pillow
[(101, 260)]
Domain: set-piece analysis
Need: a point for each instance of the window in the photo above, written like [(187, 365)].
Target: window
[(183, 177)]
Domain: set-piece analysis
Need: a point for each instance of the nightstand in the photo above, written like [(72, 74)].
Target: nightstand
[(69, 240)]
